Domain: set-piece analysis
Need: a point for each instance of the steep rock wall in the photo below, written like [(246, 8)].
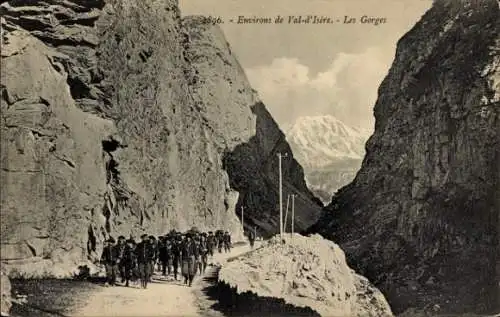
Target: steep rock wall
[(245, 133), (421, 217), (117, 117)]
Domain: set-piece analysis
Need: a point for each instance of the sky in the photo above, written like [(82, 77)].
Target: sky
[(315, 69)]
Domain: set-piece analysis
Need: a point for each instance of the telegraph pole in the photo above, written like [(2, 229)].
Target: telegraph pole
[(286, 212), (281, 192), (293, 211), (281, 195), (242, 223)]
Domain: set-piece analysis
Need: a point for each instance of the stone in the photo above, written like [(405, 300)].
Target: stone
[(327, 285)]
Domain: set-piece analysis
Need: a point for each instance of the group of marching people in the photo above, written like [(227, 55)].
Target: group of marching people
[(132, 261)]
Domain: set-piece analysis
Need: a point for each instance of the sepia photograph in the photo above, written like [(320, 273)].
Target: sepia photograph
[(237, 158)]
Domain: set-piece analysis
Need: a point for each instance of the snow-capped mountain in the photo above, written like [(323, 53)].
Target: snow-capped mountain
[(330, 152), (320, 140)]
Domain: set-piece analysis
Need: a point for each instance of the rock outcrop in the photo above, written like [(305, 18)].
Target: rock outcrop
[(421, 218), (120, 117), (305, 272)]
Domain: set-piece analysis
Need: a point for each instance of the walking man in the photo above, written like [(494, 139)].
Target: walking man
[(109, 258), (197, 259), (211, 243), (145, 256), (227, 241), (176, 254), (188, 252), (165, 254), (161, 255), (203, 253), (154, 259), (129, 260), (121, 249), (251, 238), (220, 241)]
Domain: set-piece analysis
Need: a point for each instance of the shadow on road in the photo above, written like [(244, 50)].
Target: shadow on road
[(49, 297), (247, 304)]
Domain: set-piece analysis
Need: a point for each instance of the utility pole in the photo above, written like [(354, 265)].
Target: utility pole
[(242, 222), (281, 196), (293, 212), (286, 212), (281, 193)]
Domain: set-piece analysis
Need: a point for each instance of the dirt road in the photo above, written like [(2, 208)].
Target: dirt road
[(162, 297)]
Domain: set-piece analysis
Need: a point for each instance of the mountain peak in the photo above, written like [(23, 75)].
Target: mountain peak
[(317, 141)]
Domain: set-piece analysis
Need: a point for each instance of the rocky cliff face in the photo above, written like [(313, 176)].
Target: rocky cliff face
[(421, 218), (119, 117)]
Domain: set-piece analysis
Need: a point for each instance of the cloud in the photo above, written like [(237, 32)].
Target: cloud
[(347, 89)]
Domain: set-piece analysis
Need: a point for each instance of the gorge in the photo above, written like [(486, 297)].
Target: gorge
[(123, 117)]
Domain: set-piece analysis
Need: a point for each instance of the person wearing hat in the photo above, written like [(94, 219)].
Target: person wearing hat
[(154, 247), (120, 246), (188, 268), (211, 243), (227, 241), (145, 256), (219, 237), (166, 255), (176, 253), (197, 253), (160, 242), (203, 254), (161, 253), (135, 268), (109, 259), (129, 260), (251, 238)]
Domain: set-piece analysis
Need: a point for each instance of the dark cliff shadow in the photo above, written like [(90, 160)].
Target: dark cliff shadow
[(252, 168), (248, 304)]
